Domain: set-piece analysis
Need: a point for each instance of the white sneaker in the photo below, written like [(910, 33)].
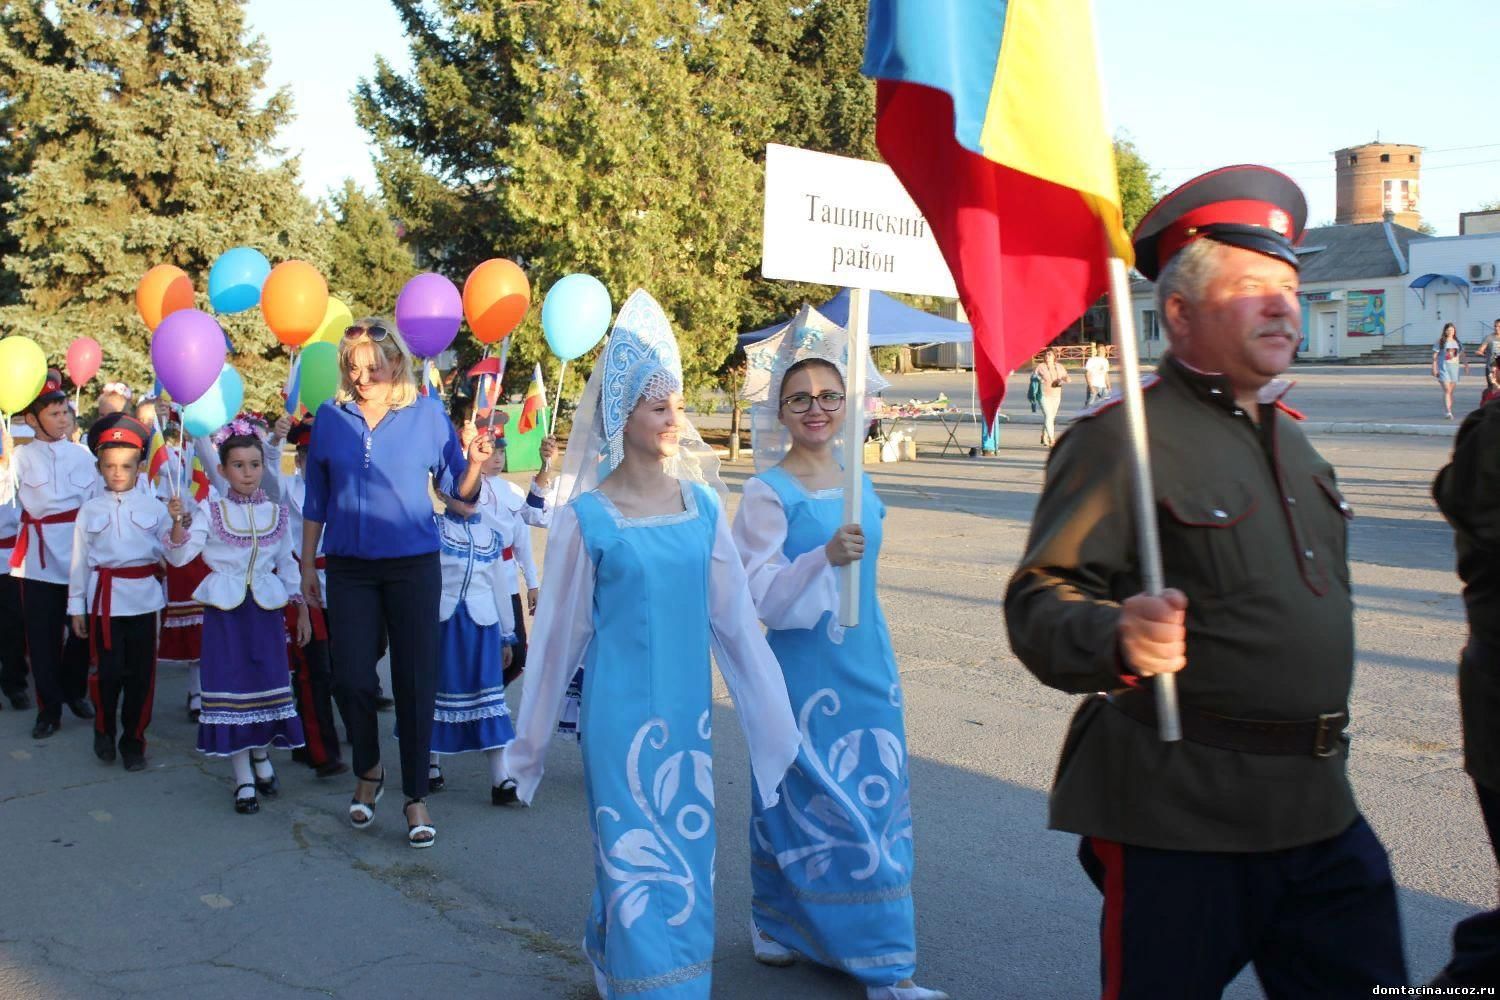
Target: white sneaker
[(903, 993), (768, 952)]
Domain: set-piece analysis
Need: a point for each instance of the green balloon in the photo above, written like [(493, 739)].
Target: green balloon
[(318, 378)]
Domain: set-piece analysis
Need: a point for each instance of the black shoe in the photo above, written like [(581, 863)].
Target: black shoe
[(384, 704), (134, 761), (332, 769), (44, 728), (504, 794), (20, 701), (104, 748), (435, 780), (81, 707), (265, 786), (193, 711), (245, 807)]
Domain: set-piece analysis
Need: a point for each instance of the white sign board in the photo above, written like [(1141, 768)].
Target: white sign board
[(840, 221)]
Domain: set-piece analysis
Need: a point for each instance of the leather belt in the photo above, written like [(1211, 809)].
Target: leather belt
[(1319, 737), (23, 540)]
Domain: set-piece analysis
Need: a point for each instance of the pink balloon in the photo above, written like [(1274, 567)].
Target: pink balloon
[(188, 351), (84, 359)]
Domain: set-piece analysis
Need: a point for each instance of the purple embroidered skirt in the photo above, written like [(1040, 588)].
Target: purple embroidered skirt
[(247, 691)]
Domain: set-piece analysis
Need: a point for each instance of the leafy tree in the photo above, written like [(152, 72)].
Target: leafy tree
[(368, 262), (1140, 186), (144, 143)]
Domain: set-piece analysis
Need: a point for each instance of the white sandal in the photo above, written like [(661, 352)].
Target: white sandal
[(769, 952), (419, 835), (362, 814)]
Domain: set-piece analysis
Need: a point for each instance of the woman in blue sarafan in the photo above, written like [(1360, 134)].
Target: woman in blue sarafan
[(831, 862), (642, 580)]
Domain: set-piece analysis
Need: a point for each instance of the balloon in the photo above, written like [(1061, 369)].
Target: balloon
[(84, 359), (428, 312), (495, 299), (318, 375), (575, 315), (336, 319), (187, 352), (163, 290), (235, 280), (217, 406), (23, 372), (293, 301)]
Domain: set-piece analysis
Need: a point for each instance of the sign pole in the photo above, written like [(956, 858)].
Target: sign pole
[(1148, 542), (854, 423)]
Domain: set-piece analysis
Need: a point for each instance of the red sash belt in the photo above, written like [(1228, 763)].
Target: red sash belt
[(509, 552), (6, 543), (104, 590), (18, 556), (320, 563)]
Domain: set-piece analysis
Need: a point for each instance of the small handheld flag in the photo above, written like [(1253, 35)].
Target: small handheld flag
[(535, 402), (156, 454), (200, 480)]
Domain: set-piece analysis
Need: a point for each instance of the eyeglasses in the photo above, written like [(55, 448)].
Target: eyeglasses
[(801, 402), (376, 333)]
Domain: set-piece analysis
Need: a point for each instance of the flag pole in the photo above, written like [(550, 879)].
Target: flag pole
[(854, 464), (1148, 542), (557, 405)]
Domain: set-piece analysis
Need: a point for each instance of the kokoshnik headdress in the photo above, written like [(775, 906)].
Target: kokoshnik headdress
[(641, 361), (810, 335)]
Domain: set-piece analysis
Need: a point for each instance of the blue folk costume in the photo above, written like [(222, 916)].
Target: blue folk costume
[(832, 860), (639, 602)]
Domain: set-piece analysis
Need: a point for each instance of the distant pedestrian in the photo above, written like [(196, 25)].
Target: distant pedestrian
[(1489, 349), (1096, 375), (1492, 387), (1447, 364), (1051, 376)]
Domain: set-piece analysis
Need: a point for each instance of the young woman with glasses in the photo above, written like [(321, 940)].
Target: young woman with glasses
[(376, 447)]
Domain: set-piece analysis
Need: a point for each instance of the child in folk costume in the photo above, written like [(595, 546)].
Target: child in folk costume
[(831, 863), (478, 634), (13, 671), (312, 670), (642, 579), (244, 538), (53, 477), (114, 589)]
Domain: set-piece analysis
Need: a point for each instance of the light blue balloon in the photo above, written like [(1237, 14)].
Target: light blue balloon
[(575, 315), (217, 406), (236, 278)]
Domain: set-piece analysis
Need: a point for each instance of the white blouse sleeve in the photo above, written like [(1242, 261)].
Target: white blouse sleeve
[(525, 558), (286, 564), (500, 581), (749, 669), (78, 574), (197, 537), (788, 594), (560, 636)]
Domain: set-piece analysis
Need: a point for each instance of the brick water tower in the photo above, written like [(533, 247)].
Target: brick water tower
[(1375, 178)]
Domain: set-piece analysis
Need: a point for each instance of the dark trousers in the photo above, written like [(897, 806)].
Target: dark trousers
[(1476, 940), (401, 596), (312, 681), (1317, 921), (518, 651), (12, 635), (128, 668), (59, 659)]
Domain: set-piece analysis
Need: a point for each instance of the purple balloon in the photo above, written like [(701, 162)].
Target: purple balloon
[(428, 312), (187, 351)]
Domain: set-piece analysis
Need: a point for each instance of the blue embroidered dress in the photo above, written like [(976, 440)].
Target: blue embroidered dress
[(831, 862), (639, 602)]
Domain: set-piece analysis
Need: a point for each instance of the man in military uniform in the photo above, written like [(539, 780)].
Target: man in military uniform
[(1242, 842), (1468, 492)]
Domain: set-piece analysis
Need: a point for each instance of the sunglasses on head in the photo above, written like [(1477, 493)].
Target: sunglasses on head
[(375, 332)]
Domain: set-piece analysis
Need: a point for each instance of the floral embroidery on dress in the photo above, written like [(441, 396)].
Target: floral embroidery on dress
[(232, 535)]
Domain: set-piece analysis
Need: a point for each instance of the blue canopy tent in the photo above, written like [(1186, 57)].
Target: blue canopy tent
[(1420, 285), (891, 323)]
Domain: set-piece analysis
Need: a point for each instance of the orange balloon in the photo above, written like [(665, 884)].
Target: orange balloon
[(163, 290), (496, 297), (294, 300)]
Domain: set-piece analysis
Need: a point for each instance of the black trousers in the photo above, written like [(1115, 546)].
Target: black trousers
[(59, 659), (401, 596), (312, 682), (518, 651), (1317, 921), (12, 636), (1476, 940), (128, 668)]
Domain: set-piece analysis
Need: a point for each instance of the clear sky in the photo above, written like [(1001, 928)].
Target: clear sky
[(1197, 84)]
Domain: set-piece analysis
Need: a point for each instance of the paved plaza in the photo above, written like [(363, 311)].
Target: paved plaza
[(120, 885)]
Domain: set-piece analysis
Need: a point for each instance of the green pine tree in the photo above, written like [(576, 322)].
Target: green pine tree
[(368, 261), (146, 143)]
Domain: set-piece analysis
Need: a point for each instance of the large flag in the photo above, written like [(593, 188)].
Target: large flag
[(534, 403), (990, 112), (156, 454)]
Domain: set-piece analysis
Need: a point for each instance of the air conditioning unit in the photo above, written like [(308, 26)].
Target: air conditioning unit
[(1337, 295), (1481, 272)]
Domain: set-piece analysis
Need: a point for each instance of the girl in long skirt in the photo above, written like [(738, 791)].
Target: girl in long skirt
[(642, 579), (831, 863), (248, 705)]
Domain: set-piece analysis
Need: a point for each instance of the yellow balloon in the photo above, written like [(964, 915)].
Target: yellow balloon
[(23, 372), (336, 319)]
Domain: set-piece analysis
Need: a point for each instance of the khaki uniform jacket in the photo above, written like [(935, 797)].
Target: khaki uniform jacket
[(1253, 531)]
